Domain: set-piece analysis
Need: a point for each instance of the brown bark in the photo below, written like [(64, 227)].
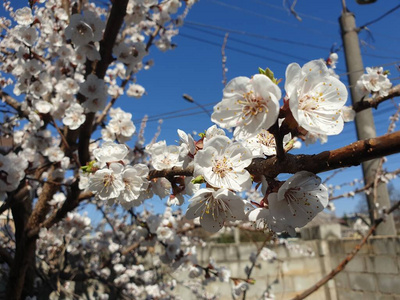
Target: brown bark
[(351, 155), (374, 102)]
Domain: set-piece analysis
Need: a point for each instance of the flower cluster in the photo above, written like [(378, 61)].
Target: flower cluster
[(375, 82), (115, 180)]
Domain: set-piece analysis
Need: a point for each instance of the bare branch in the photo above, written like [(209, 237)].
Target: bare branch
[(13, 103), (224, 59), (343, 264)]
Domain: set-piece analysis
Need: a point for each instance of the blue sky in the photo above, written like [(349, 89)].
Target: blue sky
[(262, 33)]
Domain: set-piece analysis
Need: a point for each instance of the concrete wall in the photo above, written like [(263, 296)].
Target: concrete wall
[(372, 274)]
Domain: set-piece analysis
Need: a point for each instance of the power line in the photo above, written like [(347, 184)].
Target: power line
[(381, 17), (250, 34), (250, 44), (234, 49), (192, 25), (299, 13), (237, 8)]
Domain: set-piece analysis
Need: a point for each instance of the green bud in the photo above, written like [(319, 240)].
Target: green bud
[(90, 167), (202, 135), (267, 72), (198, 179)]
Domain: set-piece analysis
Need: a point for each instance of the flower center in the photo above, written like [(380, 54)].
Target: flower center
[(215, 207), (253, 105), (311, 100), (222, 167), (267, 139)]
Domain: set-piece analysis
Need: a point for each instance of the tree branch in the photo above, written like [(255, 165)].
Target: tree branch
[(374, 102), (114, 23), (10, 101), (350, 155)]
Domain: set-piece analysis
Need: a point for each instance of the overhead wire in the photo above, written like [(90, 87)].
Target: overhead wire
[(237, 8), (260, 36), (191, 24), (381, 17), (299, 13), (281, 62), (251, 44)]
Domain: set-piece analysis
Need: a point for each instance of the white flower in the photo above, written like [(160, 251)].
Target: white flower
[(74, 116), (213, 131), (348, 114), (161, 187), (222, 163), (195, 271), (264, 143), (134, 179), (163, 156), (95, 23), (42, 106), (23, 16), (299, 199), (93, 87), (267, 254), (315, 97), (33, 66), (239, 289), (135, 90), (249, 105), (78, 31), (27, 35), (107, 183), (215, 207), (110, 152), (55, 154), (375, 81)]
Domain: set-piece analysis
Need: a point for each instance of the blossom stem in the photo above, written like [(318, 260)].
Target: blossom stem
[(275, 130)]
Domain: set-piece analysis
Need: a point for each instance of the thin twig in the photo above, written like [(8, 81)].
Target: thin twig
[(255, 260), (224, 69), (342, 265)]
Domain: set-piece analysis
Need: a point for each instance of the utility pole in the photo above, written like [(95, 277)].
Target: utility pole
[(364, 121)]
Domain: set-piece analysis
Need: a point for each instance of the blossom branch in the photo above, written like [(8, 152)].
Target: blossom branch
[(103, 115), (374, 102), (350, 155), (114, 23), (343, 264)]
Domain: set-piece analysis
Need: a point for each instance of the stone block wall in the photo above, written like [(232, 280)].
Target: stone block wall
[(373, 274)]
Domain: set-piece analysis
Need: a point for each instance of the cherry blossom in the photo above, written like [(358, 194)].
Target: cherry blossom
[(264, 143), (24, 16), (107, 183), (249, 105), (299, 199), (163, 156), (215, 207), (110, 152), (74, 116), (79, 31), (374, 82), (222, 163), (315, 97)]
